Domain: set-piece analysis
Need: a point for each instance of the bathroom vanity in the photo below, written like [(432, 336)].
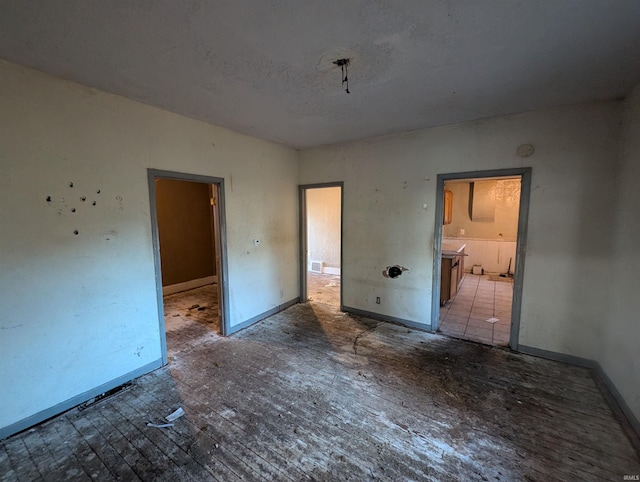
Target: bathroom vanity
[(451, 269)]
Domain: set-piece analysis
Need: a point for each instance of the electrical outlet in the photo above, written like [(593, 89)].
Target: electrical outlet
[(377, 300), (462, 232)]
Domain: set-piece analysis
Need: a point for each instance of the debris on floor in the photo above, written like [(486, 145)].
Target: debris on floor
[(492, 320), (105, 395), (175, 414), (159, 425)]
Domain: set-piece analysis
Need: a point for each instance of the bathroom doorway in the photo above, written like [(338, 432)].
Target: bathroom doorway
[(478, 268)]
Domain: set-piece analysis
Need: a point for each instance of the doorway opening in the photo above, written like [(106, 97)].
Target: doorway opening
[(321, 244), (188, 236), (480, 238)]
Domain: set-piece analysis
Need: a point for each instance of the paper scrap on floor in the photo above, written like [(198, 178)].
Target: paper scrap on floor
[(175, 415), (159, 425), (492, 320)]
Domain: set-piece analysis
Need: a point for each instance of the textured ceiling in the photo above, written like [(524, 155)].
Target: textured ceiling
[(264, 67)]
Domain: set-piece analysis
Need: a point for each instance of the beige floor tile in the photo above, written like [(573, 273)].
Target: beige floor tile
[(480, 316), (485, 292), (477, 300), (476, 312), (504, 297), (498, 327), (462, 303), (470, 294), (456, 312), (461, 300), (456, 319), (452, 328), (480, 323)]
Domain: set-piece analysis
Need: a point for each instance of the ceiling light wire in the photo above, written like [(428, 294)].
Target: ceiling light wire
[(343, 64)]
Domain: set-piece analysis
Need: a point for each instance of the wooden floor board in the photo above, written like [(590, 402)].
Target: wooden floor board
[(296, 422), (169, 400), (315, 394), (227, 434), (166, 451), (61, 431), (132, 446), (88, 428), (7, 471), (252, 428), (46, 465), (20, 460)]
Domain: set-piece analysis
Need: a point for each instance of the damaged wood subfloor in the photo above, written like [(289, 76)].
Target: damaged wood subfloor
[(197, 305), (314, 394)]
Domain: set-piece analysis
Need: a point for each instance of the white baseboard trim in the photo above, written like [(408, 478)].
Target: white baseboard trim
[(330, 270), (188, 285)]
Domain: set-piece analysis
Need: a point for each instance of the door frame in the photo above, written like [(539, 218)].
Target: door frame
[(521, 242), (222, 271), (302, 190)]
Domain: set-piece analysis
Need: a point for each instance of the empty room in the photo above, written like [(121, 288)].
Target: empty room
[(298, 240)]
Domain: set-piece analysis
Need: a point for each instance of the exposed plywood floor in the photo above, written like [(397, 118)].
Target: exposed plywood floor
[(314, 394)]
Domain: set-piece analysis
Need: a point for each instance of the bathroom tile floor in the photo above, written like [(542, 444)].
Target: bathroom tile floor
[(479, 299)]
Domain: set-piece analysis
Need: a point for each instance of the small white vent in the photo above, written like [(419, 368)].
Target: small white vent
[(316, 266)]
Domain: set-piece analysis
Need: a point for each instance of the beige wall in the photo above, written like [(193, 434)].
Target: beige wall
[(388, 182), (505, 224), (582, 259), (185, 231), (80, 312), (619, 350), (323, 223), (96, 319)]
